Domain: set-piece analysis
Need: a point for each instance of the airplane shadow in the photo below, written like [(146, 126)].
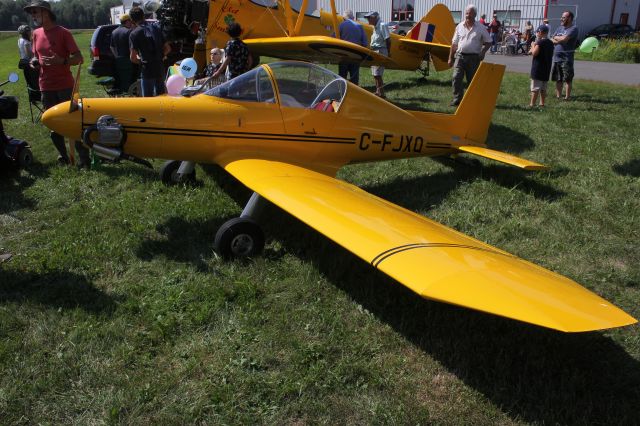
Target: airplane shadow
[(532, 374), (429, 191), (58, 289), (630, 168), (503, 138)]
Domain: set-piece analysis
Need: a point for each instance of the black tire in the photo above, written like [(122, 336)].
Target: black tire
[(240, 237), (169, 174), (25, 157)]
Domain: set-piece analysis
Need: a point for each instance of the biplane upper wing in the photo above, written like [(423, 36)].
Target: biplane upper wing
[(321, 49), (431, 259)]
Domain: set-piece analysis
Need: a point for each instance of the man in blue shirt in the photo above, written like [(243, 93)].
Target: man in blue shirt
[(564, 40), (352, 32)]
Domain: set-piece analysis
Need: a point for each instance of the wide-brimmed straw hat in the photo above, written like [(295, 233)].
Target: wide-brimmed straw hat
[(41, 4)]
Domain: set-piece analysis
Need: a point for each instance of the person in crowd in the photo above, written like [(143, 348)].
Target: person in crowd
[(469, 45), (54, 51), (213, 66), (25, 50), (120, 48), (352, 32), (542, 52), (494, 30), (545, 22), (528, 35), (483, 20), (236, 54), (564, 40), (148, 48), (380, 43)]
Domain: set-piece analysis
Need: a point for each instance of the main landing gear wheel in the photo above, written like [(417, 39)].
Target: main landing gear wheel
[(240, 237), (25, 157), (170, 176)]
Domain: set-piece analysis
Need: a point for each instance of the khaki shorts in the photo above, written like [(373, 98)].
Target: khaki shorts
[(538, 85), (378, 70)]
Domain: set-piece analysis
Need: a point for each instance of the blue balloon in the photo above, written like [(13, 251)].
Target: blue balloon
[(188, 67)]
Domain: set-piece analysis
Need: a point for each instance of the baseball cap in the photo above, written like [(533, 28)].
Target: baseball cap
[(372, 14), (542, 29)]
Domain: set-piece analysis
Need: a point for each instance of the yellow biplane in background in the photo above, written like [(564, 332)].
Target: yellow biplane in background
[(275, 28), (284, 129)]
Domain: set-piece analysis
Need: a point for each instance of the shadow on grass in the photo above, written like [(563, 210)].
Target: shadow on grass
[(185, 241), (58, 289), (127, 168), (531, 373), (630, 168), (13, 182)]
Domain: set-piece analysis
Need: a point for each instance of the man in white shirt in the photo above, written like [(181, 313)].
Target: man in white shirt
[(468, 47), (381, 43)]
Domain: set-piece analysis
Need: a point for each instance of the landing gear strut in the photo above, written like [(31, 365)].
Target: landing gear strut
[(242, 237)]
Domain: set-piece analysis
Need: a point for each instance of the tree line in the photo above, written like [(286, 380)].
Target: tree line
[(69, 13)]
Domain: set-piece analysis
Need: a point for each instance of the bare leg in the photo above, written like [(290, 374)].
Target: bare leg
[(379, 85), (534, 97), (567, 93), (558, 89), (543, 96)]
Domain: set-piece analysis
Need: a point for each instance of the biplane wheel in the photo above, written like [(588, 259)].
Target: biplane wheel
[(25, 157), (169, 174), (239, 237)]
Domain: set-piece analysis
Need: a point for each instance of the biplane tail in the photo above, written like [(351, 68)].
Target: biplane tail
[(436, 27)]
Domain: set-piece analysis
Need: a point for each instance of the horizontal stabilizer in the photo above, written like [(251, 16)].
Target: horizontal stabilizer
[(503, 157)]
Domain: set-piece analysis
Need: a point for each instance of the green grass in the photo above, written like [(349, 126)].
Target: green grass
[(114, 308), (623, 50)]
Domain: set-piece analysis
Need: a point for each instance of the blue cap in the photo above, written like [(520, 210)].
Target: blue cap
[(542, 29)]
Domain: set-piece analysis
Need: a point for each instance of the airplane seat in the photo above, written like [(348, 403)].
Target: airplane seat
[(327, 105)]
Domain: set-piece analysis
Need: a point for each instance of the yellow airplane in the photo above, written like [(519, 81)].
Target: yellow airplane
[(284, 129), (280, 31)]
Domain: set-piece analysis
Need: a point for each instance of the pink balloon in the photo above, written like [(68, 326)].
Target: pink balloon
[(175, 83)]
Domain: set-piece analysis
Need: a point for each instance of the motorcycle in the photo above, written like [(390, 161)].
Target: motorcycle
[(16, 152)]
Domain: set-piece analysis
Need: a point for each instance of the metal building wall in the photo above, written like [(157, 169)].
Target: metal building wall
[(590, 13)]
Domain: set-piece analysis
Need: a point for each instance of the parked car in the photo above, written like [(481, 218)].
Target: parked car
[(612, 31), (400, 27), (102, 61)]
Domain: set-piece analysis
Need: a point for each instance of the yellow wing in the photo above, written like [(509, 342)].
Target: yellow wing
[(431, 259), (320, 49)]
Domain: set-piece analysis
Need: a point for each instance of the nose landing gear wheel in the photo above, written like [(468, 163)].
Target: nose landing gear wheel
[(240, 237), (170, 176)]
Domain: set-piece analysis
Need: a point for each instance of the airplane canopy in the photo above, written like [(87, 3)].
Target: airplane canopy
[(299, 85)]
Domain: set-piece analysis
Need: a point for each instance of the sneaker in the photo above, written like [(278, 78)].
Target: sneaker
[(63, 161), (454, 103)]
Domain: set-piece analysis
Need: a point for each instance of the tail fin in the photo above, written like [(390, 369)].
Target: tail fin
[(437, 27), (474, 113), (471, 120), (469, 125)]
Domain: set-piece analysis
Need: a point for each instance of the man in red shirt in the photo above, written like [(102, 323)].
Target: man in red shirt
[(54, 51)]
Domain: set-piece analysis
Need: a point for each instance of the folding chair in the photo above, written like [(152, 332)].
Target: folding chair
[(35, 101)]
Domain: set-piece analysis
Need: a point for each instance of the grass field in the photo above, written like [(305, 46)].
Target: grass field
[(115, 310)]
